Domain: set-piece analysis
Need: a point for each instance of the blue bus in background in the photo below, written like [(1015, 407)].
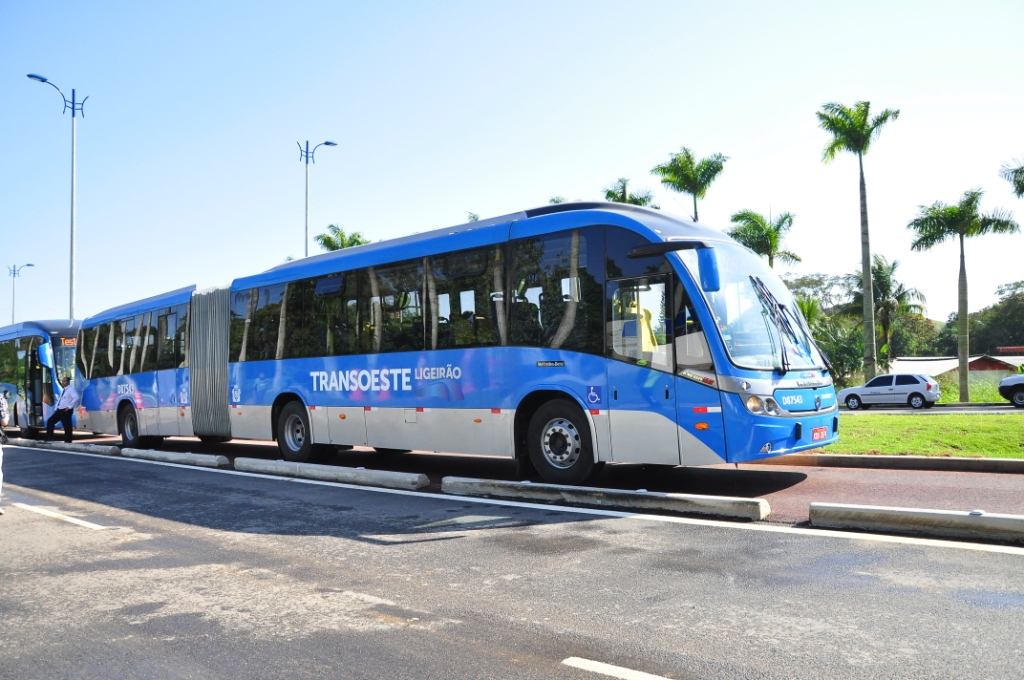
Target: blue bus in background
[(568, 336), (34, 356)]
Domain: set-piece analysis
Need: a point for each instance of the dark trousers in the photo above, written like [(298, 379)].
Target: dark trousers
[(63, 416)]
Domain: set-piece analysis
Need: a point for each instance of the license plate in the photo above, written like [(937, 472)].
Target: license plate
[(819, 433)]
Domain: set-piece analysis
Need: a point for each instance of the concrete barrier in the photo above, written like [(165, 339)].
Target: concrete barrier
[(328, 473), (197, 459), (721, 506), (97, 449), (1008, 465), (941, 523)]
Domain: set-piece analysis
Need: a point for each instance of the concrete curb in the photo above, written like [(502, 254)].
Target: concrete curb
[(61, 446), (409, 481), (197, 459), (721, 506), (944, 523), (1010, 465)]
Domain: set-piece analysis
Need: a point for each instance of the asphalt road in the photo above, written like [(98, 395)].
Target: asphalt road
[(789, 490), (202, 574)]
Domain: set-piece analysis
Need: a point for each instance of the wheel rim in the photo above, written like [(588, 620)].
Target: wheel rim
[(853, 403), (129, 427), (1018, 398), (916, 402), (294, 432), (560, 443)]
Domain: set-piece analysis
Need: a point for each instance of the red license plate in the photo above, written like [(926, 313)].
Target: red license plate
[(819, 433)]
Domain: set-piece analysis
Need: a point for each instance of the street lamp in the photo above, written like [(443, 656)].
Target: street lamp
[(307, 155), (15, 273), (76, 107)]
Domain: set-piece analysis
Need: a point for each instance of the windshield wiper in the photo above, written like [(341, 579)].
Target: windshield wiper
[(783, 316), (782, 325)]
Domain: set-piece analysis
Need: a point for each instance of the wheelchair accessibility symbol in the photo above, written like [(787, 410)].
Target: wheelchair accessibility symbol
[(594, 395)]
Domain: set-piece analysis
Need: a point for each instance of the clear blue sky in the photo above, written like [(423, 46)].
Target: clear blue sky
[(188, 170)]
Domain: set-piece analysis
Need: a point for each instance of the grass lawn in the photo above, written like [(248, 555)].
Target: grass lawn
[(986, 436)]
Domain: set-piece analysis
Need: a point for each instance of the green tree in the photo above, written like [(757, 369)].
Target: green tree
[(472, 217), (840, 340), (619, 193), (828, 289), (763, 235), (892, 299), (853, 130), (1013, 172), (687, 175), (940, 222), (913, 336), (336, 238)]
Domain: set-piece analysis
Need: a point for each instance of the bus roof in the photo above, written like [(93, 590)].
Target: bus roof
[(653, 224), (175, 297), (58, 327)]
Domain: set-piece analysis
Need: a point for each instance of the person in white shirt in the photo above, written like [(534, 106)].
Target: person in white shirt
[(66, 406)]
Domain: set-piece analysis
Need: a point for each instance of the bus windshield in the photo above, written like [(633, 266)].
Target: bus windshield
[(756, 314)]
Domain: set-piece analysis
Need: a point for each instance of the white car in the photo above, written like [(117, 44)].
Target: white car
[(1012, 388), (912, 389)]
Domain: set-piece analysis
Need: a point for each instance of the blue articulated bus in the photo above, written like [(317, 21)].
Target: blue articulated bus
[(567, 336), (34, 357)]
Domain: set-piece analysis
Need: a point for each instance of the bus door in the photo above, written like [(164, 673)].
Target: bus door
[(167, 374), (642, 400), (698, 401)]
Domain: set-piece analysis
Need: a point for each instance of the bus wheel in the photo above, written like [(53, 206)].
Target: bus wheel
[(559, 443), (128, 424), (293, 433)]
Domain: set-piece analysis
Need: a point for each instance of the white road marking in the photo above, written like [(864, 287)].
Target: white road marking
[(768, 528), (609, 670), (57, 515)]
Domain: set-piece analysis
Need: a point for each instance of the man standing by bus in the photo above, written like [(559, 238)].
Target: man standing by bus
[(66, 405)]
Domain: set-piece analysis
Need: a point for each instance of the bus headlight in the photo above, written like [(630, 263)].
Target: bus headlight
[(771, 407), (754, 404)]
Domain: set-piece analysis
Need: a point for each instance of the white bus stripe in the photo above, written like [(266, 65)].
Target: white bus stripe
[(609, 670), (57, 515)]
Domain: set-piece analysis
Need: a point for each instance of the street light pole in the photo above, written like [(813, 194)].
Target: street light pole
[(76, 107), (307, 155), (15, 272)]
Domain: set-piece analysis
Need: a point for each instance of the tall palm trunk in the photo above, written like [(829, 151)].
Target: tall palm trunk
[(695, 218), (869, 294), (963, 343)]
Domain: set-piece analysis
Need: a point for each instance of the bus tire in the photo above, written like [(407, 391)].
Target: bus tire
[(294, 437), (128, 426), (559, 443)]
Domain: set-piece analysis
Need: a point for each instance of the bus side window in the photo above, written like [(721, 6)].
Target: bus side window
[(639, 329), (461, 289), (165, 326), (181, 336), (691, 344), (557, 293)]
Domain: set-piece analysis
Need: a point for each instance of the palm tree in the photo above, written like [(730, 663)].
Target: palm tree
[(687, 175), (336, 238), (763, 235), (1014, 174), (619, 193), (892, 299), (853, 130), (939, 222)]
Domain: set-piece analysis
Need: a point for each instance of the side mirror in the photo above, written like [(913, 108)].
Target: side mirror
[(707, 263), (46, 355)]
